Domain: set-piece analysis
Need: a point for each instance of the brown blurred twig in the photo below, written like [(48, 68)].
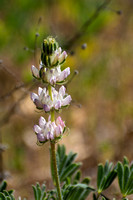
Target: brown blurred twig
[(19, 84), (84, 27), (12, 109), (36, 37), (8, 94), (7, 70)]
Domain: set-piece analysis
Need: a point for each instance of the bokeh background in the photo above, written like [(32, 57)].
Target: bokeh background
[(99, 43)]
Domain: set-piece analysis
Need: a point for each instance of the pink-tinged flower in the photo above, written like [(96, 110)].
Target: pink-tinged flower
[(43, 100), (58, 57), (54, 75), (49, 130), (63, 75), (35, 71), (62, 57), (38, 99), (65, 99)]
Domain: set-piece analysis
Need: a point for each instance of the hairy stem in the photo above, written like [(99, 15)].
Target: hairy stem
[(56, 175), (50, 92), (53, 153)]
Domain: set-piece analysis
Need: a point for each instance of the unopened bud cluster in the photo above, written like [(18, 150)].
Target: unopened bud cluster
[(51, 100), (52, 58)]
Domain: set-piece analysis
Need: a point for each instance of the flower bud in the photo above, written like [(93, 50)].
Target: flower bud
[(49, 46)]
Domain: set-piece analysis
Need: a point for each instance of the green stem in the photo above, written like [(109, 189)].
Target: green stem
[(53, 153), (56, 175), (52, 116), (50, 92)]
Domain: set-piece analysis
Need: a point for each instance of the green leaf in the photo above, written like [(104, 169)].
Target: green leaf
[(130, 191), (129, 185), (100, 174), (126, 176), (69, 170), (120, 172), (61, 151), (106, 167), (78, 191), (2, 196), (131, 168), (110, 178), (77, 177), (105, 176), (70, 158), (125, 161), (101, 187), (86, 180), (38, 190), (39, 193), (35, 192), (65, 163), (3, 185), (94, 196)]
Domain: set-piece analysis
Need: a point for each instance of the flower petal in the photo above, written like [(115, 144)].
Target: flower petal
[(41, 137), (66, 101), (46, 108), (52, 80), (35, 71), (57, 105), (42, 122), (58, 131), (48, 136), (37, 129), (39, 90), (34, 96), (38, 103), (64, 74), (60, 122), (62, 91), (62, 57)]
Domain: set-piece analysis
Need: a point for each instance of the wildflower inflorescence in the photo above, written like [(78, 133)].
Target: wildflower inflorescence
[(49, 98)]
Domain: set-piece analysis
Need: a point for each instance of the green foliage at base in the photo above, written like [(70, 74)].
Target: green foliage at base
[(75, 188), (125, 177)]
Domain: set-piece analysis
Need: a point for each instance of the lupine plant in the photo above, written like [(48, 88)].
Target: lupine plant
[(65, 172), (51, 100)]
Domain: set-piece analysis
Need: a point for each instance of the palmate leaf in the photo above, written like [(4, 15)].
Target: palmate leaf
[(41, 194), (65, 164), (6, 196), (125, 177), (105, 176), (3, 186), (72, 186), (78, 192)]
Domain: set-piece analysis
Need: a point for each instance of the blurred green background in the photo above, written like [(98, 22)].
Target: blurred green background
[(102, 126)]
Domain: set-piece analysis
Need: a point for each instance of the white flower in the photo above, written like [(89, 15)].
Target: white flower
[(55, 75), (58, 57), (52, 76), (49, 130), (44, 101)]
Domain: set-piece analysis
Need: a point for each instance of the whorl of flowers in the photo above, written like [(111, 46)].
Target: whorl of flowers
[(49, 99), (49, 130)]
